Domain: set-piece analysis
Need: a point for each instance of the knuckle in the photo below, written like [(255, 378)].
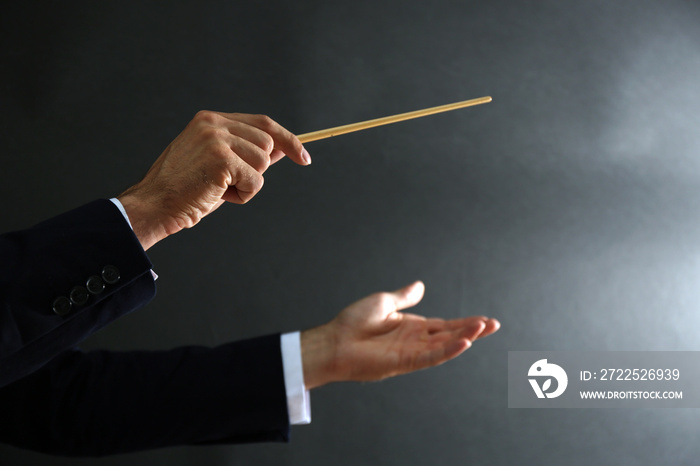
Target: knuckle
[(251, 154), (265, 122), (264, 163), (221, 151), (213, 133), (268, 143), (205, 116), (260, 160), (253, 185)]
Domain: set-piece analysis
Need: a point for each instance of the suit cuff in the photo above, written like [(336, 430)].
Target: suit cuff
[(119, 205), (298, 400), (121, 208)]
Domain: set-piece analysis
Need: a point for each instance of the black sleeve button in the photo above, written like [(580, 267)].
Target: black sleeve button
[(79, 295), (61, 305), (95, 285), (110, 274)]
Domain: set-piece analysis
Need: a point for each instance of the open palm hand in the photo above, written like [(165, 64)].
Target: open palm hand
[(372, 339)]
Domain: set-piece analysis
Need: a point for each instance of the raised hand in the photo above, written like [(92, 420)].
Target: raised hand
[(218, 157)]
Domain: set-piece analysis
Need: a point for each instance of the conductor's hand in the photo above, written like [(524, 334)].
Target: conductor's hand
[(371, 339), (218, 157)]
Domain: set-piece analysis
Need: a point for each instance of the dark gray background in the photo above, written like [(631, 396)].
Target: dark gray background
[(567, 208)]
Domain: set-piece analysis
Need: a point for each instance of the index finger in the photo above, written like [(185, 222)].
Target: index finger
[(284, 140)]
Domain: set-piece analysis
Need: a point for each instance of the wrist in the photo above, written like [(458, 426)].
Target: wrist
[(318, 350), (143, 217)]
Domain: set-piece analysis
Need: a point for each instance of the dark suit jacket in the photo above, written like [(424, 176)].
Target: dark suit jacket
[(56, 399)]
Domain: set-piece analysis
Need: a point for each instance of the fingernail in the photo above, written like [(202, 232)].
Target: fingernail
[(305, 156)]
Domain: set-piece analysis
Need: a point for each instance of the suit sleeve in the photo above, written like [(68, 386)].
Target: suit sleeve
[(46, 302), (101, 402)]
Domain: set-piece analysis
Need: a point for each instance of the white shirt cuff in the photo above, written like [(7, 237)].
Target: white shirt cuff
[(298, 400)]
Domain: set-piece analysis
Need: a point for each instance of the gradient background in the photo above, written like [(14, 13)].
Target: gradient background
[(567, 208)]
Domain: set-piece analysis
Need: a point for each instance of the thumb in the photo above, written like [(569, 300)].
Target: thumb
[(408, 296)]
